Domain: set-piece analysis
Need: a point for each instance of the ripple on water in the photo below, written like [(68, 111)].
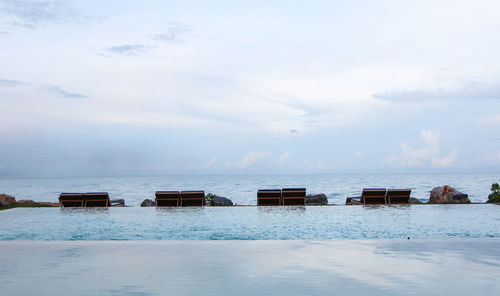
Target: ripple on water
[(251, 223)]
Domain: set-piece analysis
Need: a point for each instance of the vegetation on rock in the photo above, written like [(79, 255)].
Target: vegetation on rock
[(209, 197), (495, 193)]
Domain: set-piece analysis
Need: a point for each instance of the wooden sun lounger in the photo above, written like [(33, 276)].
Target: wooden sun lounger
[(97, 199), (71, 200), (167, 198), (293, 196), (373, 196), (192, 198), (398, 196), (269, 197)]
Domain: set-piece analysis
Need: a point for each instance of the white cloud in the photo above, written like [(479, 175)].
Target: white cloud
[(249, 159), (494, 120), (283, 157), (428, 154), (210, 163), (446, 160)]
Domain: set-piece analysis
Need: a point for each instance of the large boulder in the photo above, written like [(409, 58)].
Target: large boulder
[(221, 201), (148, 203), (6, 200), (447, 194), (316, 199)]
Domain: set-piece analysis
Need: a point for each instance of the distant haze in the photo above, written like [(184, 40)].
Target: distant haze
[(101, 88)]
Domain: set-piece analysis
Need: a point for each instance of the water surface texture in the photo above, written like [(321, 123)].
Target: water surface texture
[(242, 189), (251, 223), (335, 267)]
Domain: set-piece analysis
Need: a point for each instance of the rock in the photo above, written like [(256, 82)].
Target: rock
[(148, 203), (414, 200), (353, 201), (117, 202), (447, 194), (26, 202), (221, 201), (6, 200), (48, 204), (316, 199)]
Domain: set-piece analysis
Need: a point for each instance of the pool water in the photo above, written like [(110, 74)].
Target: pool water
[(252, 223)]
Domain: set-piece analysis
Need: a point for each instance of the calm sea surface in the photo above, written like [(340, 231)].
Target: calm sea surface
[(242, 189)]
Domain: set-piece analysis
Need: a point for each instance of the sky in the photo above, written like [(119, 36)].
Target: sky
[(97, 88)]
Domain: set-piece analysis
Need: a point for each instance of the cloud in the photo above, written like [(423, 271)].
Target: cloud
[(294, 131), (129, 49), (495, 119), (467, 91), (10, 83), (249, 159), (60, 92), (30, 14), (284, 157), (210, 163), (445, 161), (428, 154), (175, 32)]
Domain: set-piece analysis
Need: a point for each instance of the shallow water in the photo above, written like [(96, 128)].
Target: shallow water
[(251, 223), (242, 189), (335, 267)]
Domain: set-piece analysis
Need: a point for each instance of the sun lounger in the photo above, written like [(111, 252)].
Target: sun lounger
[(293, 196), (71, 200), (269, 197), (398, 196), (96, 199), (192, 198), (373, 196), (167, 198)]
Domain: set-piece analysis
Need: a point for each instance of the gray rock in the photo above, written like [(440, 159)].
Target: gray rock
[(117, 202), (447, 194), (353, 201), (414, 200), (221, 201), (316, 199), (148, 203), (6, 200)]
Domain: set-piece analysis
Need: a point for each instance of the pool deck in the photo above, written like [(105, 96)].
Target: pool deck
[(459, 266)]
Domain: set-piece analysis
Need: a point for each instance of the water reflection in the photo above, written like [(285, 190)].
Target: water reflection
[(86, 211), (345, 267)]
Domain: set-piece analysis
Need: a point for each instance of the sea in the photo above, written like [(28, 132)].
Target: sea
[(242, 189)]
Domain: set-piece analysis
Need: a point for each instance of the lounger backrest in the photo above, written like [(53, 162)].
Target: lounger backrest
[(192, 197), (270, 193), (398, 195), (373, 195), (71, 200), (293, 196), (96, 199), (269, 197), (293, 192), (167, 198), (167, 194)]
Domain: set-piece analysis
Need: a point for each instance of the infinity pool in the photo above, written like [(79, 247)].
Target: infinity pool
[(252, 223)]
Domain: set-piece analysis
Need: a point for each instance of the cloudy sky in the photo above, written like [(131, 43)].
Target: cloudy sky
[(180, 87)]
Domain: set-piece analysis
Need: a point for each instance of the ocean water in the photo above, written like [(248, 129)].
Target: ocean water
[(252, 223), (242, 189)]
